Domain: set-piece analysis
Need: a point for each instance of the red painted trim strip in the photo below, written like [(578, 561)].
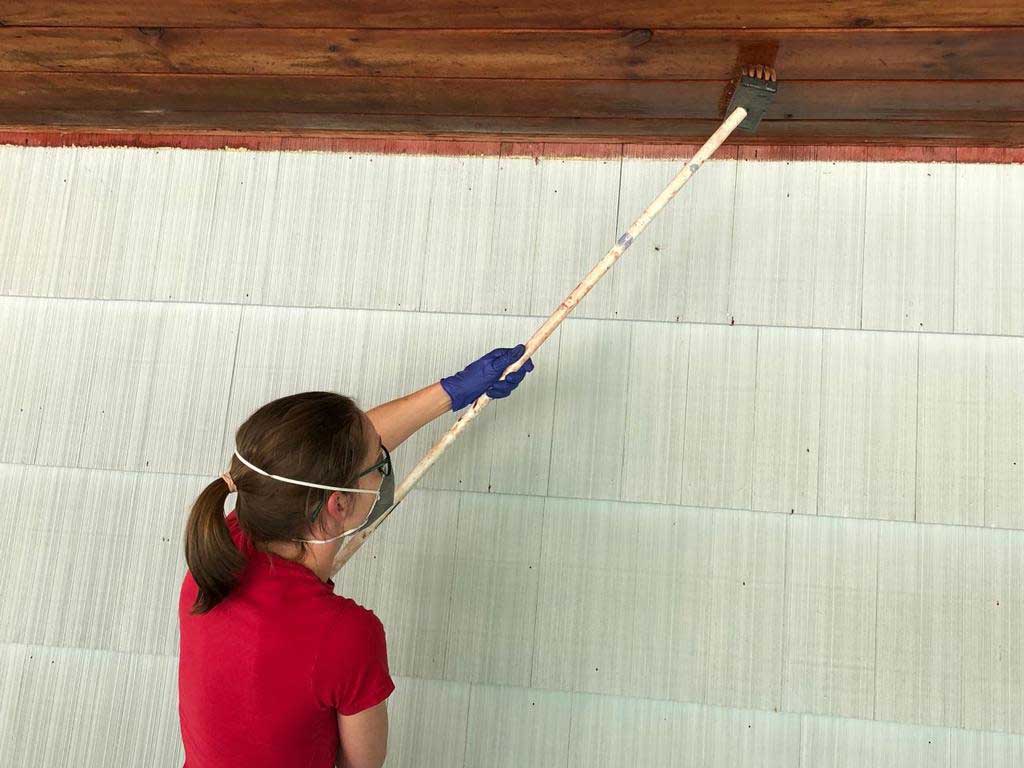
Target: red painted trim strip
[(490, 148)]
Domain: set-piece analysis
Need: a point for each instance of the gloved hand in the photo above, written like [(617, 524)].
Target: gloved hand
[(482, 376)]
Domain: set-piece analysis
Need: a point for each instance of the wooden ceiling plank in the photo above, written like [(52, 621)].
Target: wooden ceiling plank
[(522, 129), (862, 54), (799, 100), (575, 14)]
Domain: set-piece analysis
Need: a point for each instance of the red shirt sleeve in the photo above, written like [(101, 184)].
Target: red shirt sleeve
[(351, 673)]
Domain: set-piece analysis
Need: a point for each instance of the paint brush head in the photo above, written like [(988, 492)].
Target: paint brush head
[(754, 92)]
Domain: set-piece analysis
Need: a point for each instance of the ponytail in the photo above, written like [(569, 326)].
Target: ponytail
[(213, 559)]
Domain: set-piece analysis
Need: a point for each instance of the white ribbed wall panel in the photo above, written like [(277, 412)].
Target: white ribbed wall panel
[(494, 596), (459, 270), (92, 558), (909, 241), (831, 581), (951, 430), (583, 578), (679, 269), (744, 632), (718, 436), (90, 708), (989, 244), (1004, 453), (658, 372), (575, 228), (787, 420), (113, 384), (921, 623), (509, 727), (798, 244), (868, 425), (590, 425)]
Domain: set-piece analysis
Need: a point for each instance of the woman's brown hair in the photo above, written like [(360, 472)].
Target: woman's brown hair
[(314, 436)]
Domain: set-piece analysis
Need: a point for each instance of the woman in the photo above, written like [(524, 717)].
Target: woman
[(275, 669)]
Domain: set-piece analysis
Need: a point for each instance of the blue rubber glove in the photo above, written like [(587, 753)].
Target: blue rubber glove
[(482, 376)]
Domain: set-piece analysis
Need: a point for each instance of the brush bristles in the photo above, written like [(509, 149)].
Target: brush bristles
[(761, 72)]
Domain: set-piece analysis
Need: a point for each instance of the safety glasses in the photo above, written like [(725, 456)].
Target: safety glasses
[(383, 466)]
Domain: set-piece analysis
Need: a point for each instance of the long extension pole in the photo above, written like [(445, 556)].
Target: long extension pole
[(549, 326)]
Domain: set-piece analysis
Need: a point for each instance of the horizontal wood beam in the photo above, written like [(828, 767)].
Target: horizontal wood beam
[(577, 14), (640, 54), (1000, 101), (524, 129)]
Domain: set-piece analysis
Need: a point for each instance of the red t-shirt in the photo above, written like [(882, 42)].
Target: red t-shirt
[(263, 675)]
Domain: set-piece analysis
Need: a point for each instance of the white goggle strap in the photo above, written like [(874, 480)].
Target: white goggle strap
[(300, 482)]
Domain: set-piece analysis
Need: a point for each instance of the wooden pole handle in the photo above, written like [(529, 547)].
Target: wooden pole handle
[(541, 335)]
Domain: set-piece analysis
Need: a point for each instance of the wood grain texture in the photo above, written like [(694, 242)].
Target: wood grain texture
[(695, 99), (668, 54), (531, 13), (322, 127)]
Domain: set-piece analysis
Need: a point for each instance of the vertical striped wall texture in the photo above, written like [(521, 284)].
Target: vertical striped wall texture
[(760, 504)]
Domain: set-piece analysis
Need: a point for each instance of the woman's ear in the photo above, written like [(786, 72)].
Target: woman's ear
[(340, 507)]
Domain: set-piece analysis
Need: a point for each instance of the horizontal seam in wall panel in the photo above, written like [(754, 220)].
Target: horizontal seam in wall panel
[(88, 649), (541, 318), (595, 499)]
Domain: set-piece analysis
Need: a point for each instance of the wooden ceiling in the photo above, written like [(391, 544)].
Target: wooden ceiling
[(877, 71)]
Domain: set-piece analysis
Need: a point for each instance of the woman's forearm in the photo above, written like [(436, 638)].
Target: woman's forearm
[(397, 419)]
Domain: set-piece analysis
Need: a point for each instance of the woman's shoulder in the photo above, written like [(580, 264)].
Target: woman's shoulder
[(347, 611)]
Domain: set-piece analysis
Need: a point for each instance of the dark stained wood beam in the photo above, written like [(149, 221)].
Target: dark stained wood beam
[(639, 54), (991, 101), (511, 14), (523, 129)]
